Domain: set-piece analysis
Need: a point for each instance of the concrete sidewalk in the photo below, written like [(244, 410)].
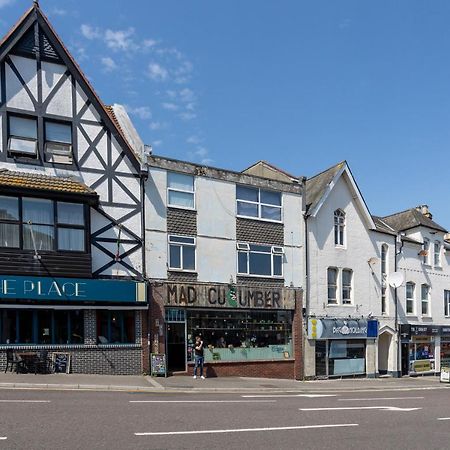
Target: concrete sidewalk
[(187, 384)]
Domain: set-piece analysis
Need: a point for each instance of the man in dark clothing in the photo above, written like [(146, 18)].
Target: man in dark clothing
[(199, 356)]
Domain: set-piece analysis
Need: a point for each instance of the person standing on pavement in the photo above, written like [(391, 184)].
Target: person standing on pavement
[(199, 356)]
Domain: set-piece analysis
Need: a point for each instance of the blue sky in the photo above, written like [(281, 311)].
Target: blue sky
[(300, 84)]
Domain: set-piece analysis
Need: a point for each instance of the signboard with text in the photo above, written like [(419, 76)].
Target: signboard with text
[(342, 328), (70, 289)]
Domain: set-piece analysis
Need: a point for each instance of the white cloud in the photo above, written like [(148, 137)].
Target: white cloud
[(158, 125), (143, 112), (170, 106), (187, 115), (157, 72), (108, 64), (193, 140), (157, 143), (90, 32), (58, 12), (200, 154), (149, 43), (187, 95), (119, 39), (6, 3)]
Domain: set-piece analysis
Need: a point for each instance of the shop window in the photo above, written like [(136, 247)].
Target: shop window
[(115, 327), (241, 335), (181, 253), (58, 142), (426, 251), (9, 222), (425, 294), (22, 138), (41, 327), (410, 297), (180, 190), (71, 226), (346, 357), (260, 260), (332, 276), (339, 228), (258, 203), (347, 281), (437, 254), (421, 355), (446, 303)]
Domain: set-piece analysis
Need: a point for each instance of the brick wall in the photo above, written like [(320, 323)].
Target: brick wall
[(259, 282), (248, 230)]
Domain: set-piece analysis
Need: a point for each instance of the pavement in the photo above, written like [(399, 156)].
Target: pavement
[(185, 384)]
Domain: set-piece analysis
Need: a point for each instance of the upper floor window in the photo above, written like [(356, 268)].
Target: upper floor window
[(41, 224), (410, 297), (180, 190), (339, 227), (425, 295), (332, 278), (384, 257), (260, 260), (437, 253), (58, 142), (347, 282), (257, 203), (426, 251), (447, 302), (22, 136), (181, 253)]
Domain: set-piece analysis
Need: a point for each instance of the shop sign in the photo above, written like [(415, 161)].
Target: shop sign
[(70, 289), (342, 328), (407, 330), (222, 296), (445, 375)]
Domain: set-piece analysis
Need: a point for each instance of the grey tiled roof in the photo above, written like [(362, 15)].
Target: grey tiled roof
[(411, 218), (382, 226)]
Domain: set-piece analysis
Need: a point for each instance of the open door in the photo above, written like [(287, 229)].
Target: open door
[(176, 347)]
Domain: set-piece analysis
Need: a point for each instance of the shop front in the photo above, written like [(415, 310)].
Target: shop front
[(343, 347), (96, 324), (246, 331), (424, 348)]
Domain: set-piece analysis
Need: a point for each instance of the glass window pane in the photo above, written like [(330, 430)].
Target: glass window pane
[(247, 209), (8, 326), (58, 132), (71, 239), (9, 208), (9, 235), (38, 210), (188, 257), (175, 256), (260, 264), (70, 213), (102, 326), (270, 212), (271, 198), (184, 199), (129, 327), (22, 146), (25, 327), (242, 262), (332, 276), (277, 265), (181, 240), (246, 193), (76, 327), (181, 181), (347, 277), (44, 326), (61, 329), (116, 322), (22, 127), (260, 248), (44, 237)]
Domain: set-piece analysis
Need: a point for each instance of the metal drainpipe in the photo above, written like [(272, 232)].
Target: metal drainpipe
[(397, 329)]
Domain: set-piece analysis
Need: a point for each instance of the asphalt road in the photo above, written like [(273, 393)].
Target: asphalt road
[(31, 419)]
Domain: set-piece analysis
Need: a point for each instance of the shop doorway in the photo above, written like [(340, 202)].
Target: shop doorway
[(176, 347), (384, 346), (405, 359)]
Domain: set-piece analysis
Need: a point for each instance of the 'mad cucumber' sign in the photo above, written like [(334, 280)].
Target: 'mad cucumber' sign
[(70, 289)]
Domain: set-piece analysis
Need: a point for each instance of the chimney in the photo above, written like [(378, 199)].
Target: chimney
[(423, 209)]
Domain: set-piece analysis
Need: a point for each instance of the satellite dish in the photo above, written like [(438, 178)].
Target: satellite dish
[(396, 279)]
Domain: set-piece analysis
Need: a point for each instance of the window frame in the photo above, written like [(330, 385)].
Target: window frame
[(425, 300), (335, 287), (55, 225), (51, 153), (412, 299), (259, 204), (171, 189), (437, 262), (426, 249), (122, 317), (348, 301), (339, 228), (14, 154), (181, 245), (447, 302), (275, 251)]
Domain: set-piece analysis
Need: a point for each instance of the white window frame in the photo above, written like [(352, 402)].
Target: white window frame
[(260, 205), (437, 254), (336, 287), (425, 300), (339, 223), (447, 302), (170, 189), (275, 250), (350, 300), (181, 245), (410, 299), (426, 250)]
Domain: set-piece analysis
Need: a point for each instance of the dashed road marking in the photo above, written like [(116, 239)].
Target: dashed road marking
[(377, 398), (346, 408), (202, 401)]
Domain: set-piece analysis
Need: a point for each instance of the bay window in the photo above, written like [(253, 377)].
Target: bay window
[(260, 260)]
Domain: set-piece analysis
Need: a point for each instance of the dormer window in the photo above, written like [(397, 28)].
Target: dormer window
[(58, 142), (22, 136), (339, 228)]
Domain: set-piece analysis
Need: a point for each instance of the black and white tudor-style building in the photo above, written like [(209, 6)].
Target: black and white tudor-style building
[(72, 267)]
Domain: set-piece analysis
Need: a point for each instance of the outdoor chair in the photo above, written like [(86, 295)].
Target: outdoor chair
[(13, 360)]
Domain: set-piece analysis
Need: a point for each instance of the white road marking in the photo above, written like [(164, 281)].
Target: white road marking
[(443, 418), (377, 398), (243, 430), (24, 401), (202, 401), (3, 438), (384, 408), (289, 395)]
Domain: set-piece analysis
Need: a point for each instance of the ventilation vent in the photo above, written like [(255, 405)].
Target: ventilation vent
[(27, 46)]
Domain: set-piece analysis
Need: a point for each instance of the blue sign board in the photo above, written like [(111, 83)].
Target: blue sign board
[(70, 289)]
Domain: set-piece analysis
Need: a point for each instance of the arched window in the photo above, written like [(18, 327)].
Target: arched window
[(410, 297), (339, 227)]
